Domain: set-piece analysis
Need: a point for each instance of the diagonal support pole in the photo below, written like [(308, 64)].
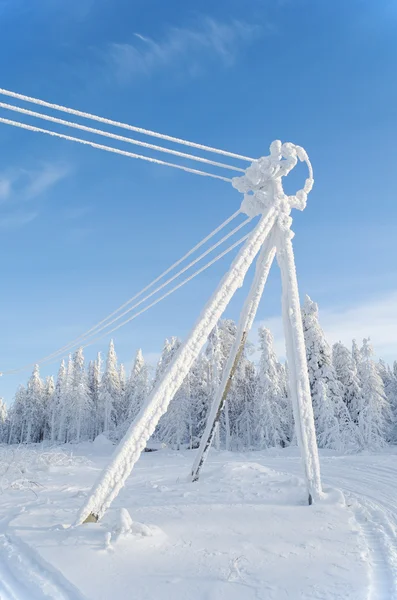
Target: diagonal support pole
[(247, 318), (129, 450), (297, 366)]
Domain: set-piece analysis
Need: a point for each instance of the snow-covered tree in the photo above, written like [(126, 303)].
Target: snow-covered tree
[(173, 426), (346, 371), (375, 415), (244, 417), (219, 345), (110, 391), (328, 429), (48, 396), (59, 407), (320, 367), (389, 378), (137, 387), (94, 384), (391, 393), (199, 399), (80, 425), (34, 408), (169, 349), (136, 391), (17, 428), (354, 398), (121, 411), (356, 355), (3, 422), (270, 416)]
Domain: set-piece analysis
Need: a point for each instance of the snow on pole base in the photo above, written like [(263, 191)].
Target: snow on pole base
[(114, 475), (247, 317), (297, 366)]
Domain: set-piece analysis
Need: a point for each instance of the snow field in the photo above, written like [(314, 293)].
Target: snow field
[(243, 531)]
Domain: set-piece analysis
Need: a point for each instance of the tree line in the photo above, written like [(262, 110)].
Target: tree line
[(354, 398)]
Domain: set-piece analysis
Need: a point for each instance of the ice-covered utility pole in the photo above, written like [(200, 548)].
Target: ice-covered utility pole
[(264, 196), (262, 186)]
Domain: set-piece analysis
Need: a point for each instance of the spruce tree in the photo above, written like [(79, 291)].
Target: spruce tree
[(48, 397), (17, 428), (200, 397), (270, 416), (219, 345), (137, 387), (321, 369), (346, 371), (94, 384), (136, 391), (110, 392), (34, 413), (356, 354), (80, 401), (375, 415), (3, 422), (59, 407), (245, 418), (173, 424)]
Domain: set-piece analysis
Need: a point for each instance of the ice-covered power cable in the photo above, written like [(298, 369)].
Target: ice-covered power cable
[(153, 292), (105, 323), (146, 308), (114, 136), (148, 132), (110, 149)]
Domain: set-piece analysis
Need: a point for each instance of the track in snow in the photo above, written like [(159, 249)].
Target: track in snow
[(369, 485), (24, 575), (382, 575)]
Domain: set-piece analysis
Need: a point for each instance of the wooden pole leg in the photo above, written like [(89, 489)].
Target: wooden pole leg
[(247, 317), (297, 365)]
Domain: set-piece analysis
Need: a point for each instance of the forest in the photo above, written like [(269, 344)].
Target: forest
[(354, 397)]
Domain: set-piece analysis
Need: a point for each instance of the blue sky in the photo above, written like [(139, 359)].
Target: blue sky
[(81, 230)]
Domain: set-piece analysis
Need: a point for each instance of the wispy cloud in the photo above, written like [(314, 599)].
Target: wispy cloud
[(186, 48), (375, 318), (19, 187)]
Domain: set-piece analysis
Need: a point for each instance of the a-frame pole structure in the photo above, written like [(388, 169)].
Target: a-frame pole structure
[(264, 196), (280, 241)]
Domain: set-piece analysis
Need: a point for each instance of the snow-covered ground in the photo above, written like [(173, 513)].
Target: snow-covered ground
[(243, 531)]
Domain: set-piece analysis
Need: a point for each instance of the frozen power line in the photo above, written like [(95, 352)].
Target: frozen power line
[(143, 310), (172, 290), (114, 136), (94, 328), (168, 281), (106, 322), (148, 132), (110, 149)]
